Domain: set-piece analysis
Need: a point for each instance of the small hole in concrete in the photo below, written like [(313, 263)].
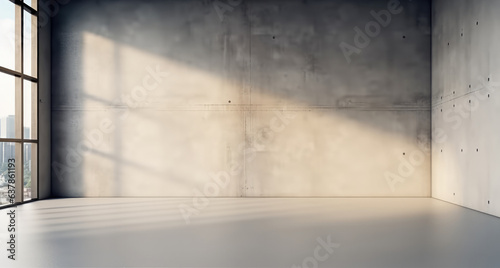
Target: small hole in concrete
[(488, 79), (488, 95), (404, 36), (441, 150), (470, 101), (274, 37), (453, 105), (477, 150), (462, 150), (461, 34), (441, 97), (448, 44), (229, 101), (453, 92), (441, 110), (477, 22), (488, 201), (404, 153), (453, 193), (470, 86)]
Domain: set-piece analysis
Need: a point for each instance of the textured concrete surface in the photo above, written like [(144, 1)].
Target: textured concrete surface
[(254, 232), (44, 178), (466, 71), (261, 103)]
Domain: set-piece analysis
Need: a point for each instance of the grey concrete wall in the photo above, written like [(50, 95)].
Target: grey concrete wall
[(44, 181), (466, 72), (241, 98)]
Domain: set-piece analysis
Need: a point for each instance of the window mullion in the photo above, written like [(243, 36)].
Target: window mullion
[(35, 190)]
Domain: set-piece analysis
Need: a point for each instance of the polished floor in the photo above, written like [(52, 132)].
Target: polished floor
[(273, 232)]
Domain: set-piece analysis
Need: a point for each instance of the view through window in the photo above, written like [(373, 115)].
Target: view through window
[(18, 101)]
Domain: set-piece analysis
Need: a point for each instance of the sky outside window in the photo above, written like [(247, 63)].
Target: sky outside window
[(7, 34)]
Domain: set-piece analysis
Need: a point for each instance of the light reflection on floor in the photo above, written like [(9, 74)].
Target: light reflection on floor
[(253, 232)]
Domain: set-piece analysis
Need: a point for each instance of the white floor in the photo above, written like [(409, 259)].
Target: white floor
[(139, 232)]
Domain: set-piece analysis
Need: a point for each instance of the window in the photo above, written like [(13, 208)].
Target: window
[(18, 101)]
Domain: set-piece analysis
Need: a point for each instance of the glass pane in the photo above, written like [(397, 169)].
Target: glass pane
[(30, 51), (7, 106), (30, 109), (7, 35), (7, 172), (29, 170), (32, 3)]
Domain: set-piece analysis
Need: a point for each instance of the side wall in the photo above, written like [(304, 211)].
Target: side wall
[(44, 102), (241, 98), (466, 103)]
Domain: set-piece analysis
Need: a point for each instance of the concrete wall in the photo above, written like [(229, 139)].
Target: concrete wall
[(44, 181), (241, 98), (466, 76)]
